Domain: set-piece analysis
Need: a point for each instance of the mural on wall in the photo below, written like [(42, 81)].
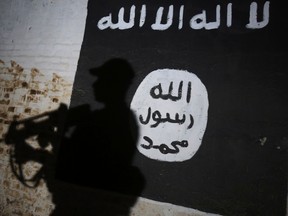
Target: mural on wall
[(173, 103), (208, 95)]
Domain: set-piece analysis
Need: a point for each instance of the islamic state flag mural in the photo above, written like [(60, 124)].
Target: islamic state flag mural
[(192, 97)]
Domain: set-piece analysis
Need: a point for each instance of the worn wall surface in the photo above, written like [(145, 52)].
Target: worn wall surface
[(40, 41), (39, 48)]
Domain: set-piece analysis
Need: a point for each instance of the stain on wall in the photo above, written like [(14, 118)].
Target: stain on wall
[(25, 93)]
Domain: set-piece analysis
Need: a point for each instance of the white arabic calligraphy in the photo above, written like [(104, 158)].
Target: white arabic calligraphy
[(253, 23), (196, 22)]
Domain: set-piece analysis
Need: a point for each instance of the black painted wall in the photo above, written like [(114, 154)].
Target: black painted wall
[(241, 166)]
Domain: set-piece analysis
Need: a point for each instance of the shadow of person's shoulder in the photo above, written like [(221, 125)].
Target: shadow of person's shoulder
[(77, 115)]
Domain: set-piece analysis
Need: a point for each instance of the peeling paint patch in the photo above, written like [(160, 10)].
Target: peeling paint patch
[(262, 140)]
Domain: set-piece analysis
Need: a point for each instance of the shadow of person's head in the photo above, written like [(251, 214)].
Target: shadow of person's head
[(113, 79), (115, 128)]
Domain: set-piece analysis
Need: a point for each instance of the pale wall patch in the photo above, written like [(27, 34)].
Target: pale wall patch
[(25, 93)]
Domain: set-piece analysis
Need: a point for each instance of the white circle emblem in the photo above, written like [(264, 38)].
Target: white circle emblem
[(171, 107)]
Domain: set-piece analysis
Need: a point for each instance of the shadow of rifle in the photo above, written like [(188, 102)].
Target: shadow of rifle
[(35, 139)]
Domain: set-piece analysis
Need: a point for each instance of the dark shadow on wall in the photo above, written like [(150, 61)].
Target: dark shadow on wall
[(92, 151)]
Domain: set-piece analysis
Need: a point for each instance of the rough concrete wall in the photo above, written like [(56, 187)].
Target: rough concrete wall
[(39, 49), (40, 41), (25, 93)]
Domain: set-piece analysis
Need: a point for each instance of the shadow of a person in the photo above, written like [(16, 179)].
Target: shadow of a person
[(99, 148), (89, 170)]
